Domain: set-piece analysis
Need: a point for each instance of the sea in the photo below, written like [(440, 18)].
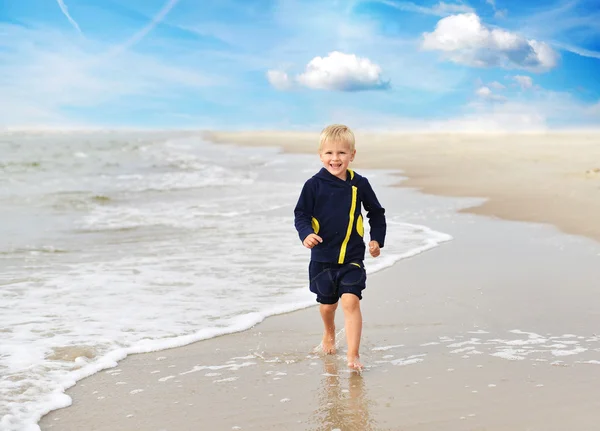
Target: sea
[(115, 243)]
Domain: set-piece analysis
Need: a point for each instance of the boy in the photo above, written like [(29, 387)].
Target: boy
[(329, 222)]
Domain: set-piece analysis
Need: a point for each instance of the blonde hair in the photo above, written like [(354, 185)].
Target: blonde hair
[(337, 133)]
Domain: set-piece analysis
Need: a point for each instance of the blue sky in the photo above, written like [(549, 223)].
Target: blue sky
[(295, 64)]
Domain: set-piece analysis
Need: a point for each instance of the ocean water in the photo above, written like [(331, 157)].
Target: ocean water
[(121, 243)]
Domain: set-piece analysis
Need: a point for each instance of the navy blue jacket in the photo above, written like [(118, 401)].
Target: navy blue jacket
[(331, 208)]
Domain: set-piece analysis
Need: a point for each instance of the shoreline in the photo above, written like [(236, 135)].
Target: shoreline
[(555, 171), (234, 345)]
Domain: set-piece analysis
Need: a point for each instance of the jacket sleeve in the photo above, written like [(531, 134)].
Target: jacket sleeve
[(375, 213), (303, 211)]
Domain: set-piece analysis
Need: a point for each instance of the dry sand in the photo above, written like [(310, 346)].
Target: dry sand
[(540, 177), (494, 330)]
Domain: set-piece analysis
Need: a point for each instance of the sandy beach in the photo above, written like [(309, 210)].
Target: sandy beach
[(494, 330)]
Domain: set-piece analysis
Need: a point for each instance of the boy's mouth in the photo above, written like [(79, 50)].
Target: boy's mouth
[(335, 165)]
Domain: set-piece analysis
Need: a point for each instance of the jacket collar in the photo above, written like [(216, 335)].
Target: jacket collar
[(325, 175)]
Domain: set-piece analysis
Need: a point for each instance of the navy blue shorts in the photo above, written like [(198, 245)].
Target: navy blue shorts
[(331, 280)]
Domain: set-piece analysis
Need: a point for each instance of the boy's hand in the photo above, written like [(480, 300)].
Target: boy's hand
[(374, 248), (311, 240)]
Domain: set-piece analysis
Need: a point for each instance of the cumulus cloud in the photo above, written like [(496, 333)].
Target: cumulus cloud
[(524, 81), (336, 72), (464, 39)]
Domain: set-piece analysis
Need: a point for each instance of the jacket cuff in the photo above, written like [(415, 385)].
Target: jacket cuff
[(379, 237), (304, 233)]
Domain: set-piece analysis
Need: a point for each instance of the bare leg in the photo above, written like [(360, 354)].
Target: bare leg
[(328, 316), (353, 323)]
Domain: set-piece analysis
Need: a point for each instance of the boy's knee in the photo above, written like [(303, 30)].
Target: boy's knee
[(329, 307), (350, 302)]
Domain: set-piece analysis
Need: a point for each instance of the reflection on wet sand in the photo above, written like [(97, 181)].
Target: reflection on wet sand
[(343, 404)]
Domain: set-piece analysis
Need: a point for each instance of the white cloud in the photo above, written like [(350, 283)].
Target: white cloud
[(336, 72), (464, 39), (65, 11), (486, 93), (496, 85), (440, 9), (279, 80), (524, 81), (342, 72)]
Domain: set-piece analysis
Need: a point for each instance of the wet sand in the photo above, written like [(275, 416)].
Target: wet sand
[(494, 330)]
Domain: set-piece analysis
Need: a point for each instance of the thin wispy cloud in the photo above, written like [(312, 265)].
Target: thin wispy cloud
[(43, 71), (441, 9), (566, 26), (137, 37), (498, 13), (577, 50), (65, 11)]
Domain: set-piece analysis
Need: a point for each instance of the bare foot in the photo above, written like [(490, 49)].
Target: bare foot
[(355, 364), (329, 342)]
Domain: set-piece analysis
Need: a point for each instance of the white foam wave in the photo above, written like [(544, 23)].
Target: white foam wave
[(177, 214), (529, 345), (420, 237)]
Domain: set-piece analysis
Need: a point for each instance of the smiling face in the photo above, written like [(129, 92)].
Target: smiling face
[(336, 156)]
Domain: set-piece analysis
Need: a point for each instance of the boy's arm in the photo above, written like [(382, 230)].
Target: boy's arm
[(304, 210), (375, 213)]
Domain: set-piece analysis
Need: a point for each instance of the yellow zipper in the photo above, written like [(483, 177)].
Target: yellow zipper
[(350, 224)]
